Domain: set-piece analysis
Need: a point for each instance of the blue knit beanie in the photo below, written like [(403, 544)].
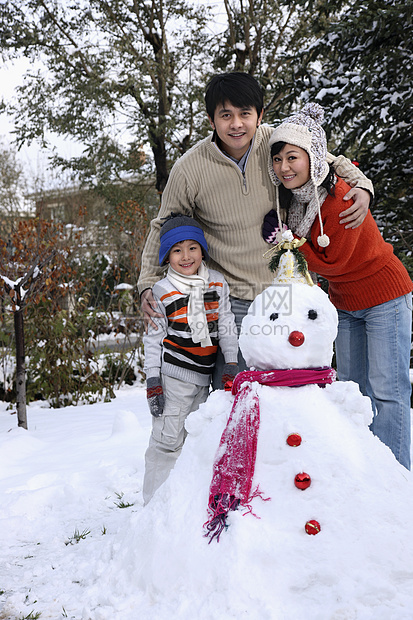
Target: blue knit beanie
[(180, 228)]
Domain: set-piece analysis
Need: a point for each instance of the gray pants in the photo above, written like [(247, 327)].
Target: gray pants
[(168, 431), (239, 308)]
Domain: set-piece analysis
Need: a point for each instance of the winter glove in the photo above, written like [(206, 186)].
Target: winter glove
[(229, 373), (270, 227), (154, 394)]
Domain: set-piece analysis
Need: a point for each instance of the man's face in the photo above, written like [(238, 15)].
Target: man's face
[(235, 127)]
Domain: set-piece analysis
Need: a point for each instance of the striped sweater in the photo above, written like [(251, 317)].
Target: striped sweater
[(230, 206), (170, 349)]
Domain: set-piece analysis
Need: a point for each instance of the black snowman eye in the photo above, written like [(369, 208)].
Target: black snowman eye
[(274, 316), (312, 314)]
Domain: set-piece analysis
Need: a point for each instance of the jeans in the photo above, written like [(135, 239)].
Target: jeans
[(373, 349), (239, 308)]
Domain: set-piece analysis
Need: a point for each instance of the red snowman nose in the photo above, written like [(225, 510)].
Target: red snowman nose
[(296, 339)]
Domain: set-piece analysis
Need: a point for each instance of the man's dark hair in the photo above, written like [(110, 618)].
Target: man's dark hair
[(240, 89)]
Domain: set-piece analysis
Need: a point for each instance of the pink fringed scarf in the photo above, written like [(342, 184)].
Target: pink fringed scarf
[(234, 464)]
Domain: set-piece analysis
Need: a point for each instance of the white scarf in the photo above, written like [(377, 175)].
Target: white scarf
[(195, 286), (304, 208)]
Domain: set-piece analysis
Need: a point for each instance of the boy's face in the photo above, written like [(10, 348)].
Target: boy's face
[(185, 257), (235, 127)]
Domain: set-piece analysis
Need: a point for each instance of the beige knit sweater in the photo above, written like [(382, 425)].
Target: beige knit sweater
[(230, 206)]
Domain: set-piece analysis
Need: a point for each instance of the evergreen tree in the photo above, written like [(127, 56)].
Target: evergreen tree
[(364, 81), (265, 38)]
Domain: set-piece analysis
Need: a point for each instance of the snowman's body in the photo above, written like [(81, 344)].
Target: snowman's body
[(292, 326), (266, 567)]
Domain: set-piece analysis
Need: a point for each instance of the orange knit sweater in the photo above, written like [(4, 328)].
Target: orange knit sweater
[(359, 265)]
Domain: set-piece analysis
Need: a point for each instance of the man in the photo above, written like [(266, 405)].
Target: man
[(223, 183)]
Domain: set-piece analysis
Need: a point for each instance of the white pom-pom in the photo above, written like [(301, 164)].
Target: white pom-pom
[(323, 241), (288, 235), (314, 111)]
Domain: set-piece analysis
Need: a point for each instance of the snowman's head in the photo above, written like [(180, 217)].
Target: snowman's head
[(289, 325)]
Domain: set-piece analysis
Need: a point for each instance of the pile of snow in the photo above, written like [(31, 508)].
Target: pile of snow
[(73, 468)]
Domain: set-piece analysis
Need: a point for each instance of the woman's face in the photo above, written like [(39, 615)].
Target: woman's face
[(292, 166)]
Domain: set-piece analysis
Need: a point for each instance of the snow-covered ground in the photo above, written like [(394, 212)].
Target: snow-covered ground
[(73, 530), (62, 481)]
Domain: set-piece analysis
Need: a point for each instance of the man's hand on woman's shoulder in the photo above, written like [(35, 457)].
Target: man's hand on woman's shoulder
[(354, 216)]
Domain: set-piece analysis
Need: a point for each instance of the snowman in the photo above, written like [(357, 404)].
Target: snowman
[(283, 504), (287, 342)]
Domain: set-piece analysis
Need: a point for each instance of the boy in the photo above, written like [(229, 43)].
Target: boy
[(223, 182), (194, 316)]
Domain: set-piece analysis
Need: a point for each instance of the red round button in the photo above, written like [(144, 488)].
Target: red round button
[(294, 439), (302, 481), (312, 527)]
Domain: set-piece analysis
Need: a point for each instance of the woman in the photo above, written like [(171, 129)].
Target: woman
[(369, 286)]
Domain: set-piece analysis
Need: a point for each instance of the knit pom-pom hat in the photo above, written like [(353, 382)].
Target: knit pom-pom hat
[(178, 228), (304, 129)]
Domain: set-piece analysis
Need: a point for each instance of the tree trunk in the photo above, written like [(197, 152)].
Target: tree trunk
[(20, 369)]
